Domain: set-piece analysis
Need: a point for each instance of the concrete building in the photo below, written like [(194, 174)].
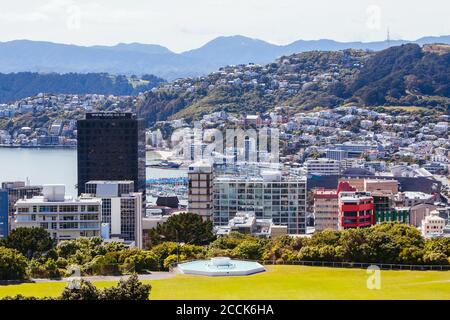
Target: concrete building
[(356, 210), (121, 209), (390, 186), (355, 150), (326, 209), (409, 198), (338, 155), (270, 194), (324, 167), (418, 212), (19, 190), (433, 225), (63, 217), (247, 223), (200, 196)]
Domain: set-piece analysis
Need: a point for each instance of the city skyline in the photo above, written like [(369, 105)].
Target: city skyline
[(185, 27)]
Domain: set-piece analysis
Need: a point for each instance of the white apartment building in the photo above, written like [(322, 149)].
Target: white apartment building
[(433, 225), (269, 194), (63, 217), (121, 213), (323, 166), (200, 197)]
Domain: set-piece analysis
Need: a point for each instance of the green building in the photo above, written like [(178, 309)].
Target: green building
[(392, 215)]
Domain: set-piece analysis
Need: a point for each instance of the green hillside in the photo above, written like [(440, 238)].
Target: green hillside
[(407, 75)]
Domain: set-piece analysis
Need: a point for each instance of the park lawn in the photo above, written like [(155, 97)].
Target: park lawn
[(280, 282)]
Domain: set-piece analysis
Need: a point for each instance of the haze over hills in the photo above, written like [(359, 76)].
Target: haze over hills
[(136, 58)]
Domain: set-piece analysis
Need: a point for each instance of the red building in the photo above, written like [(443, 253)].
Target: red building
[(356, 210)]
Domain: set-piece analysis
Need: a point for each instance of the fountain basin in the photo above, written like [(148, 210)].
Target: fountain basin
[(221, 267)]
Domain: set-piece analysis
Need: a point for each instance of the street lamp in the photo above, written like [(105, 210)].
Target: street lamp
[(176, 233)]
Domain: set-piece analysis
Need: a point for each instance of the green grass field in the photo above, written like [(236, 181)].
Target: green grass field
[(280, 282)]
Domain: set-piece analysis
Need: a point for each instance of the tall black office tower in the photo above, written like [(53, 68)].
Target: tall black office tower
[(111, 146)]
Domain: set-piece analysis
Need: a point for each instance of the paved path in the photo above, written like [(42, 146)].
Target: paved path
[(152, 276)]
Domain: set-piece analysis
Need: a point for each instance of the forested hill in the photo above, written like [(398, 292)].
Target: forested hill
[(407, 75), (15, 86)]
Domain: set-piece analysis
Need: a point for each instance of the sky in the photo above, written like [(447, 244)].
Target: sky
[(187, 24)]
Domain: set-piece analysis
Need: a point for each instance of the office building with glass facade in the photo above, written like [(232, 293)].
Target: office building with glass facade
[(270, 194), (111, 147)]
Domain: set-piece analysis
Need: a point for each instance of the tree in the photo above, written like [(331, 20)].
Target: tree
[(230, 241), (437, 258), (130, 289), (309, 253), (31, 242), (354, 245), (250, 250), (138, 260), (327, 236), (185, 227), (13, 265)]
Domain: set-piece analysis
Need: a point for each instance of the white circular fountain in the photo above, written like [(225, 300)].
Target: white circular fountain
[(221, 261), (221, 266)]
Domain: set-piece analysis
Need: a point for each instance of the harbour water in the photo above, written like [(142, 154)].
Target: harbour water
[(56, 166)]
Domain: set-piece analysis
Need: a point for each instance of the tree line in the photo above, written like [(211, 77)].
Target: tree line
[(31, 253), (126, 289)]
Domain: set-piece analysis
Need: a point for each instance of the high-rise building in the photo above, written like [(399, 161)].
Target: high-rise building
[(356, 210), (326, 209), (63, 217), (269, 194), (18, 190), (121, 209), (4, 214), (200, 196), (111, 147), (326, 206)]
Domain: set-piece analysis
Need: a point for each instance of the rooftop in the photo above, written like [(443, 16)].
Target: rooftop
[(67, 200)]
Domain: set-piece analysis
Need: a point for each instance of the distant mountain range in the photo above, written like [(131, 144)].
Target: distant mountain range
[(139, 59)]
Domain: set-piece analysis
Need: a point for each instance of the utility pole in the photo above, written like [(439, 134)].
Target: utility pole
[(176, 233)]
